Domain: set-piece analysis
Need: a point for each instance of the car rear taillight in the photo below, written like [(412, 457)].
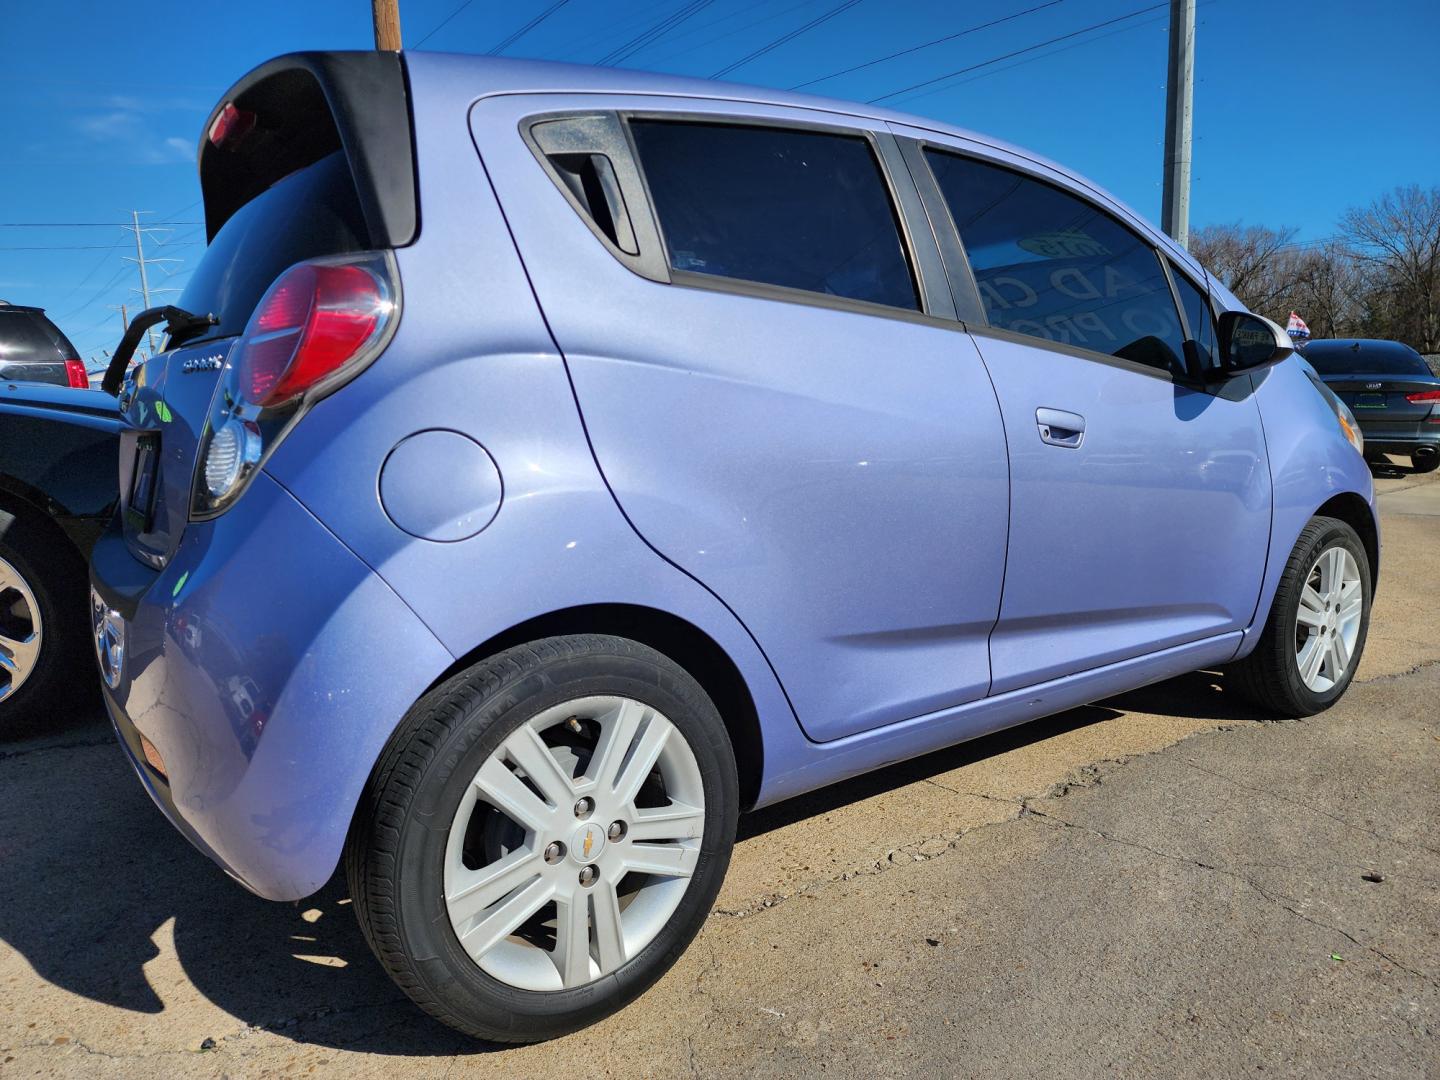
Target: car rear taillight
[(230, 124), (76, 375), (316, 327), (1424, 397), (312, 322)]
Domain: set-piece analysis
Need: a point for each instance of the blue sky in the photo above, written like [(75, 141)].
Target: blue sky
[(1301, 109)]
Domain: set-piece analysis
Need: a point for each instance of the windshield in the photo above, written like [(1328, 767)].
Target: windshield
[(312, 212)]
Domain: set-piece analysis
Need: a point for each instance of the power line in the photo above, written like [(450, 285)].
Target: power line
[(93, 271), (441, 25), (653, 34), (770, 15), (1017, 52), (496, 50), (101, 291), (79, 224), (927, 44), (1063, 48), (784, 38)]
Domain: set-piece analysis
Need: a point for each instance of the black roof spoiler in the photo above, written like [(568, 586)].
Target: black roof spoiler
[(308, 105)]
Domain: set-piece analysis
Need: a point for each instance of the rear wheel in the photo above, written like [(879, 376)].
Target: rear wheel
[(1423, 463), (1315, 634), (544, 835)]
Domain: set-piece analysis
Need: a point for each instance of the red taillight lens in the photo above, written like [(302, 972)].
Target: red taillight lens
[(1423, 397), (313, 320), (231, 123), (76, 375)]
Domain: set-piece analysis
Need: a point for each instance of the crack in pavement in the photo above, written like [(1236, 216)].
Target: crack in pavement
[(1280, 900), (1307, 806)]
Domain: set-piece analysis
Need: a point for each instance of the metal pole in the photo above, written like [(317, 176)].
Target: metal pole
[(1179, 94), (140, 262), (387, 24)]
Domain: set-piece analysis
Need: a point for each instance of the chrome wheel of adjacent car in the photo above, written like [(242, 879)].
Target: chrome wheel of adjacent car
[(574, 843), (1327, 621), (21, 630)]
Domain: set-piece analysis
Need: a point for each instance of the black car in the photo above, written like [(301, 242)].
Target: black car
[(32, 349), (58, 449), (1391, 391)]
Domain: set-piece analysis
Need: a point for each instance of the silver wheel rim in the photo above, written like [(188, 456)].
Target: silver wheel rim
[(1327, 624), (21, 631), (574, 843)]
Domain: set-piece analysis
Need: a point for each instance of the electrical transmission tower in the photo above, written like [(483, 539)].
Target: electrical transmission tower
[(141, 260)]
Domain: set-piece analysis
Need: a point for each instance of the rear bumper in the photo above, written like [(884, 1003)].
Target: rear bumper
[(1390, 442), (268, 666)]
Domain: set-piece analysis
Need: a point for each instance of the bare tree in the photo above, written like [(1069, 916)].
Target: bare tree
[(1262, 266), (1330, 295), (1397, 240)]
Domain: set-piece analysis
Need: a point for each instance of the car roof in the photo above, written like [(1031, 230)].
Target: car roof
[(490, 76)]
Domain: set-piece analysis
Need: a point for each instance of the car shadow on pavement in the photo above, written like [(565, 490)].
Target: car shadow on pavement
[(96, 885), (1199, 695)]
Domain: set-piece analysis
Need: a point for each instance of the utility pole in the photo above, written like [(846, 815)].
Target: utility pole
[(141, 261), (387, 24), (1179, 94)]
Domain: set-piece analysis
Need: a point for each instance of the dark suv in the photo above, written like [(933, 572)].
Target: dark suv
[(32, 349)]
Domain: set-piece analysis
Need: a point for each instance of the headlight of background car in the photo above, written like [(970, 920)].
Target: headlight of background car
[(1343, 416)]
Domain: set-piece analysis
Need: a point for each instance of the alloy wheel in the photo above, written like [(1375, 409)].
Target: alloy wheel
[(574, 843), (21, 632), (1327, 622)]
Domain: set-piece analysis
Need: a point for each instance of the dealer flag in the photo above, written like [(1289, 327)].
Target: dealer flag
[(1296, 327)]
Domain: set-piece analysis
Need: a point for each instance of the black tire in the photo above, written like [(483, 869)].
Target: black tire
[(55, 575), (395, 855), (1270, 676), (1426, 463)]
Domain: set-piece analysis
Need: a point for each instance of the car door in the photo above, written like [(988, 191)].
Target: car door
[(767, 361), (1140, 497)]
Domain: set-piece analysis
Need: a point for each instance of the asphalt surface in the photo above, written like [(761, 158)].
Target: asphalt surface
[(1163, 884)]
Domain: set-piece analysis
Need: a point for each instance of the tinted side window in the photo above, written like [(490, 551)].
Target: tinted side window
[(1199, 315), (803, 209), (1051, 265)]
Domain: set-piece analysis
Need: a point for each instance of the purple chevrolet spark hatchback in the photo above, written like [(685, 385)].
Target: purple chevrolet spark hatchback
[(578, 457)]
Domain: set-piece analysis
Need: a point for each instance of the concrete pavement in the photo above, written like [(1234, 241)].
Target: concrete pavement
[(1161, 884)]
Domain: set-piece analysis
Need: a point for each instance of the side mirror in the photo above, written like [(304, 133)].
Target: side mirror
[(1248, 342)]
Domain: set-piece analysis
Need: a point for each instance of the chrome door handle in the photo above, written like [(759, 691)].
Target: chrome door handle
[(1060, 428)]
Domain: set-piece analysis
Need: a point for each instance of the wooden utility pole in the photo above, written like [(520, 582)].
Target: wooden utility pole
[(387, 24), (1179, 92)]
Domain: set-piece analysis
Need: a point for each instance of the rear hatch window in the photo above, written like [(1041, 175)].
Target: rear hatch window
[(1365, 361), (27, 336), (310, 213)]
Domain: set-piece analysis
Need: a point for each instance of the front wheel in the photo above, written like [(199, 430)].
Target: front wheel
[(1315, 634), (544, 835)]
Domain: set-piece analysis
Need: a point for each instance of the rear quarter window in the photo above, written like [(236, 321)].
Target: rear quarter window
[(310, 213), (799, 209)]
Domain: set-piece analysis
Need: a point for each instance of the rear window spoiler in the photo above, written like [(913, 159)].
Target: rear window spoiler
[(305, 106)]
